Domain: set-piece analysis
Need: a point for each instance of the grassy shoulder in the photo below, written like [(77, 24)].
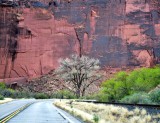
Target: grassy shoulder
[(99, 113), (5, 100)]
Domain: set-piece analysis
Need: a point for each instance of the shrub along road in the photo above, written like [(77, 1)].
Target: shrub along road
[(41, 111)]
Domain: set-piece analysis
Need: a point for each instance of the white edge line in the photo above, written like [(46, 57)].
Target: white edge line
[(70, 121)]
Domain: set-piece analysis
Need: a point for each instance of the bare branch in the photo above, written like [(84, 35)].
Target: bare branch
[(77, 70)]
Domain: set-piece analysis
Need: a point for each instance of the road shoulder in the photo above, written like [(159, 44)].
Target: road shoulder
[(6, 100)]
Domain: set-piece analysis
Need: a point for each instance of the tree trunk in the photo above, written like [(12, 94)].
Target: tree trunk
[(78, 93), (83, 92)]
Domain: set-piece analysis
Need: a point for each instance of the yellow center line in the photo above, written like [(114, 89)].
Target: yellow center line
[(13, 114)]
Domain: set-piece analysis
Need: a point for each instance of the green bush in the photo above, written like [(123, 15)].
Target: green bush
[(25, 94), (41, 96), (116, 88), (1, 97), (95, 96), (144, 79), (18, 94), (96, 118), (15, 94), (64, 94), (155, 96), (2, 85), (7, 92), (124, 84), (137, 98)]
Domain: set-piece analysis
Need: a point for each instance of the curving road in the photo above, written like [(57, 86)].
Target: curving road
[(8, 108), (42, 111)]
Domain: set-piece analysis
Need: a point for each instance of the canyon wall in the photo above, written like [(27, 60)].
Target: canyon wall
[(121, 33)]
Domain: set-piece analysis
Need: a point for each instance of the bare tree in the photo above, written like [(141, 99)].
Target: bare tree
[(81, 72)]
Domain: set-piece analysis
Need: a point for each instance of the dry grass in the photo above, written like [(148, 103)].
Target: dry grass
[(105, 113), (5, 100)]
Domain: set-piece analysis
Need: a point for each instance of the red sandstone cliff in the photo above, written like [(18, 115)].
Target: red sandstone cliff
[(118, 32)]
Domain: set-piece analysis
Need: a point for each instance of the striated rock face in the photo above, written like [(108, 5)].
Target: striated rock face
[(121, 33), (8, 40), (40, 42)]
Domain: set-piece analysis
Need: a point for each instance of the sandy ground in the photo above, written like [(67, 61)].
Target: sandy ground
[(5, 100)]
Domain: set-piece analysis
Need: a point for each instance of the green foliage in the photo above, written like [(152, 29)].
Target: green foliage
[(137, 98), (116, 88), (2, 85), (144, 79), (95, 96), (7, 92), (143, 98), (95, 118), (155, 96), (1, 97), (23, 94), (41, 96), (64, 94), (123, 84)]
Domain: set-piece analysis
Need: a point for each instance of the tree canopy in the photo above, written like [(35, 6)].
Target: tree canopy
[(81, 72)]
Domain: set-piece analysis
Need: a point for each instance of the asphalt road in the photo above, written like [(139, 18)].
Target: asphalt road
[(41, 111), (8, 108)]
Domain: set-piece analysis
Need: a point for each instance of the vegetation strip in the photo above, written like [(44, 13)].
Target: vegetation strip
[(13, 114), (101, 113), (125, 104), (5, 100)]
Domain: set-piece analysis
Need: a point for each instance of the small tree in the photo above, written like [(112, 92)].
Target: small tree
[(81, 72)]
